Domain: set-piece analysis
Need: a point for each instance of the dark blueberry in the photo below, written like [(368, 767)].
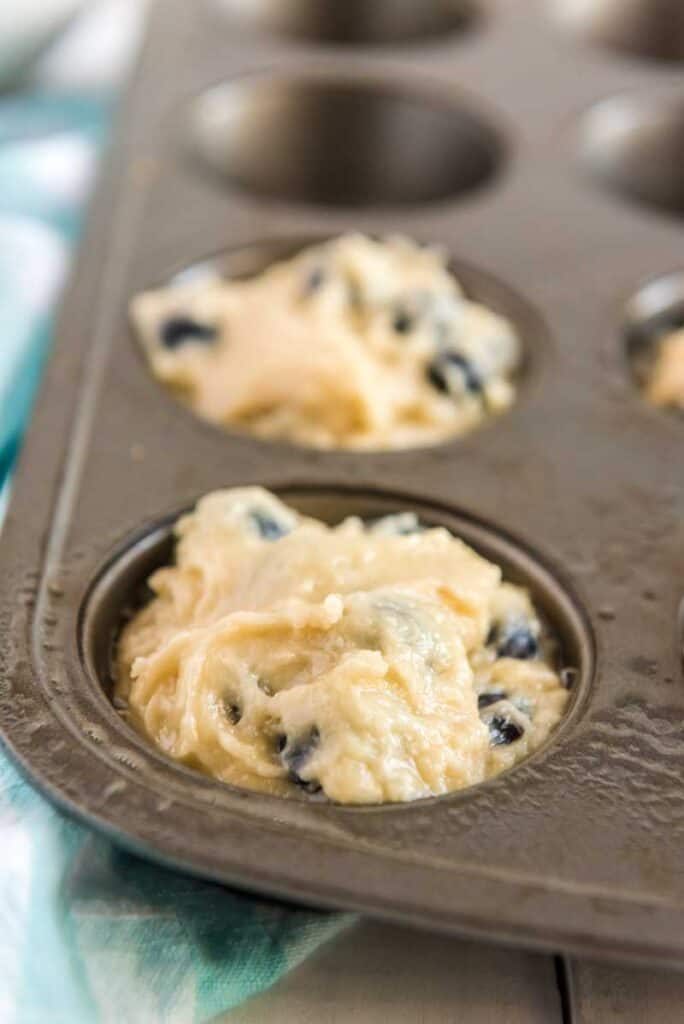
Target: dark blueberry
[(233, 711), (268, 527), (403, 322), (295, 754), (308, 785), (406, 530), (178, 330), (315, 279), (490, 697), (402, 525), (439, 376), (568, 677), (502, 731), (518, 642)]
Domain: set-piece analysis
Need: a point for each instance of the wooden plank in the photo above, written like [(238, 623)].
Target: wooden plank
[(376, 973), (603, 994)]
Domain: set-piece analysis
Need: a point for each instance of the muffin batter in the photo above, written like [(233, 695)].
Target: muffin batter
[(366, 662), (665, 384), (351, 344)]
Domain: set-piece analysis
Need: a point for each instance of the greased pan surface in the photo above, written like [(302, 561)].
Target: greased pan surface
[(578, 491)]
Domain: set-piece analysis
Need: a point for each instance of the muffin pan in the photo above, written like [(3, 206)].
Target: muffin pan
[(478, 140)]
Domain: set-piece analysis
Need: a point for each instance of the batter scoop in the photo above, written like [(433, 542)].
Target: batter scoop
[(355, 343), (364, 662)]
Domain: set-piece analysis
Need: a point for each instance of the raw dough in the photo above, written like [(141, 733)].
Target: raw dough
[(279, 652), (665, 384), (352, 344)]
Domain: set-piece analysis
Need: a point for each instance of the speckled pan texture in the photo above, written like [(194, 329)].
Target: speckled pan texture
[(541, 145)]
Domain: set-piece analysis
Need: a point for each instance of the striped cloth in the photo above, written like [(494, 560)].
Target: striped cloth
[(87, 932)]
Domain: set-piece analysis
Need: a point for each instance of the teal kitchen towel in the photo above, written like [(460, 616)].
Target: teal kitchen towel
[(88, 932)]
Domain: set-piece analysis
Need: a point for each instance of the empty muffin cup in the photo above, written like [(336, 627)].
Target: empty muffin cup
[(634, 146), (342, 141), (648, 29), (353, 22)]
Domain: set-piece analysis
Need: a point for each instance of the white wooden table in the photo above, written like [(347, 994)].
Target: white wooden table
[(381, 974)]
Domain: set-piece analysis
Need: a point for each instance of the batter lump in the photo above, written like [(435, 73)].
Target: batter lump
[(366, 662), (665, 383), (354, 343)]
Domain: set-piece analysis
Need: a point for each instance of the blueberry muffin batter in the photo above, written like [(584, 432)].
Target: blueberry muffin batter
[(366, 662), (665, 383), (355, 343)]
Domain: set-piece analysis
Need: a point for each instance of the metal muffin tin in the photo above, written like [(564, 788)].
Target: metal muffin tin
[(486, 131)]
